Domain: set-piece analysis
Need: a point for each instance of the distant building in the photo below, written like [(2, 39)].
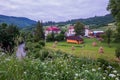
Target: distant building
[(71, 31), (53, 29), (97, 33), (74, 39), (88, 32)]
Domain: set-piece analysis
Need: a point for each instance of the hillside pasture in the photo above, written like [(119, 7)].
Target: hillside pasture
[(86, 49)]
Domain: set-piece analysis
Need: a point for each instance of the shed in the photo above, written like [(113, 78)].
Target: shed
[(74, 39)]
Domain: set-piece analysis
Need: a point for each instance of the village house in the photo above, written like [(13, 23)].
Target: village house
[(97, 34), (51, 29), (71, 31)]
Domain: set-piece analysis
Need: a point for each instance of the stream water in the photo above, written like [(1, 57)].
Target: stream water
[(21, 53)]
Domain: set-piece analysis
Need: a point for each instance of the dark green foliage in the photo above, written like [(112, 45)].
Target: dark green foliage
[(42, 43), (28, 24), (49, 38), (79, 29), (37, 46), (39, 34), (19, 21), (114, 8), (117, 38), (8, 34), (29, 37), (94, 22), (117, 52), (57, 37), (53, 36), (103, 63), (108, 35), (117, 34), (60, 37)]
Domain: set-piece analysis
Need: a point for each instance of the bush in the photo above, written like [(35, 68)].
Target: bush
[(60, 37), (117, 52), (60, 67), (42, 54), (49, 38), (42, 43), (103, 63)]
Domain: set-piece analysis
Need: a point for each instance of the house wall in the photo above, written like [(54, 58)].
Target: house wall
[(49, 32), (70, 32)]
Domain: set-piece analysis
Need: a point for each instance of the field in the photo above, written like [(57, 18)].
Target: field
[(86, 49), (61, 63)]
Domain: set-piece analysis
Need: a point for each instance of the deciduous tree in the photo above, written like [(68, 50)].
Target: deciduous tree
[(79, 29), (108, 36), (8, 34), (114, 8)]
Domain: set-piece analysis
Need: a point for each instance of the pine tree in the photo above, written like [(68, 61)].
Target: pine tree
[(39, 32)]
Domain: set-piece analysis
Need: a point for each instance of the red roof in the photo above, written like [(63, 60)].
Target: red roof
[(71, 27), (52, 28)]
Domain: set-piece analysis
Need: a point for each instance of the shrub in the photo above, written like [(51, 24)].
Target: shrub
[(37, 46), (42, 43), (42, 54), (49, 38), (117, 52), (103, 63), (60, 37)]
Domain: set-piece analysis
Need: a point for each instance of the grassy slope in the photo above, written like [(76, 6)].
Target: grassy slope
[(104, 28), (88, 50)]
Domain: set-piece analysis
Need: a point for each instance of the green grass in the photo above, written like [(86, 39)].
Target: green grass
[(86, 49)]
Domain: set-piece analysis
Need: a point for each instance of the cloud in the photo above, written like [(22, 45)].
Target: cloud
[(53, 10)]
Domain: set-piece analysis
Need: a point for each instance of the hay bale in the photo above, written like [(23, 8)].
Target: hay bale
[(73, 48), (94, 44), (101, 50), (54, 45)]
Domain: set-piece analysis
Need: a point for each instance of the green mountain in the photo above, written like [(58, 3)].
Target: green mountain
[(19, 21), (23, 22), (93, 21)]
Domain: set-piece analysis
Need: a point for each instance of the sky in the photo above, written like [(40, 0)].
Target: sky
[(54, 10)]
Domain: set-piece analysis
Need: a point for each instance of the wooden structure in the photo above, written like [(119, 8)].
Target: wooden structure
[(74, 39)]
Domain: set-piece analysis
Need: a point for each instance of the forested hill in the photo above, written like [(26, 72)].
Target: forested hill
[(25, 22), (19, 21), (93, 21)]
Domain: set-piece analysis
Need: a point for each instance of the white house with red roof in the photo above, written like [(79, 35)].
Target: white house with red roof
[(53, 29)]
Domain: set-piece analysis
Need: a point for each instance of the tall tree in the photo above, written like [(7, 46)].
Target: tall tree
[(79, 28), (108, 36), (39, 32), (114, 8), (8, 34)]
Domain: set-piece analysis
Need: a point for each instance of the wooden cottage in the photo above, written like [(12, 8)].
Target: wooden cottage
[(74, 39)]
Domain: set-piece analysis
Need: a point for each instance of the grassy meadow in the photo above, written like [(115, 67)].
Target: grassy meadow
[(86, 49)]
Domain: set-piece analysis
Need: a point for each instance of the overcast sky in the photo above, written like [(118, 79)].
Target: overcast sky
[(53, 10)]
